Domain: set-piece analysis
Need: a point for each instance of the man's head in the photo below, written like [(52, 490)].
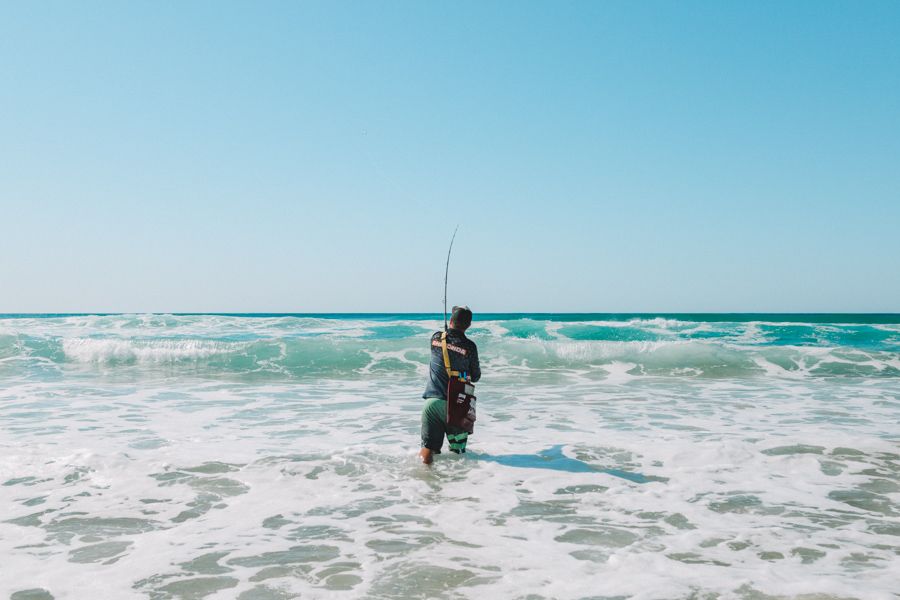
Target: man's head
[(462, 318)]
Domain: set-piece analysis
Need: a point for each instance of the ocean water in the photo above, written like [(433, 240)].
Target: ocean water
[(615, 456)]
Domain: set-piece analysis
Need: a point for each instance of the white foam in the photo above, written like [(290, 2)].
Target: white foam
[(618, 372), (747, 473), (106, 350)]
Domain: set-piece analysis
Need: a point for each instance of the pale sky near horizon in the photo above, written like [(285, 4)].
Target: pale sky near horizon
[(315, 156)]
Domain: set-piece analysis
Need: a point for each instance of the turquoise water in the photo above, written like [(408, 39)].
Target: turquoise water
[(274, 456), (297, 346)]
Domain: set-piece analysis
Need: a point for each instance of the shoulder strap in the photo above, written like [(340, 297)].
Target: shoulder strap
[(450, 372)]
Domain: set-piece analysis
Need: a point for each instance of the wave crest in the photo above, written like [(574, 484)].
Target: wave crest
[(302, 347)]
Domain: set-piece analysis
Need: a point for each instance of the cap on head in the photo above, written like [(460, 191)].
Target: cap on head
[(462, 317)]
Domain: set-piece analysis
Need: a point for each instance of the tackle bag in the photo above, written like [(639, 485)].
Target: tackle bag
[(460, 395)]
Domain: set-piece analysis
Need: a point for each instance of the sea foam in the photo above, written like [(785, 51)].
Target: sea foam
[(171, 456)]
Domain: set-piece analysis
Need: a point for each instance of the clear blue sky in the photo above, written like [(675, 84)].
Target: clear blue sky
[(315, 156)]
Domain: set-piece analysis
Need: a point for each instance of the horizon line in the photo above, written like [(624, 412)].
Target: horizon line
[(429, 313)]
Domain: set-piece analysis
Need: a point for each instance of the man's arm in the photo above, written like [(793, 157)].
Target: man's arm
[(474, 367)]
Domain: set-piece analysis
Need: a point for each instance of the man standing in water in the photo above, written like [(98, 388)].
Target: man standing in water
[(463, 355)]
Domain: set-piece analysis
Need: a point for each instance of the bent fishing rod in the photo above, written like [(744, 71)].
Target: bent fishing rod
[(446, 272)]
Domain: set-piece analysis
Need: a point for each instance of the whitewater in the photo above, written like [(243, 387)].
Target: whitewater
[(615, 456)]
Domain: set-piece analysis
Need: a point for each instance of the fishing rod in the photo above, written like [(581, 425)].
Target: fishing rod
[(446, 271)]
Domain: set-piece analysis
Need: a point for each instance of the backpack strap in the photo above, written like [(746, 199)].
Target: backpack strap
[(450, 372)]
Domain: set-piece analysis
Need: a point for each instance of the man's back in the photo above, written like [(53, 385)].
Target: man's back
[(463, 355)]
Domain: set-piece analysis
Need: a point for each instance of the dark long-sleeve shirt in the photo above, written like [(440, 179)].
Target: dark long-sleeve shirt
[(463, 358)]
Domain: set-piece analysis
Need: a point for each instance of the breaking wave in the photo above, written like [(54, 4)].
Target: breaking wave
[(297, 347)]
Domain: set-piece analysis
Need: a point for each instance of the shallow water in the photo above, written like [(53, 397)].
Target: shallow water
[(160, 456)]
